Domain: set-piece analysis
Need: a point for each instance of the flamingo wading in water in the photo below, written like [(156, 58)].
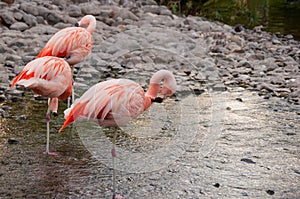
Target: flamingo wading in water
[(115, 102), (50, 77), (72, 43)]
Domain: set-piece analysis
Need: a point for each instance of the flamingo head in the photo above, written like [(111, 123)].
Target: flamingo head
[(169, 86), (88, 21)]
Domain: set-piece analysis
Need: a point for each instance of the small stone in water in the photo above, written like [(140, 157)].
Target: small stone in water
[(12, 141), (21, 117), (2, 98), (270, 192), (247, 160), (2, 112), (267, 96), (239, 99), (289, 134), (296, 171)]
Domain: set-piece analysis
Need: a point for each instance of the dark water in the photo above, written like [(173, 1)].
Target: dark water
[(277, 16)]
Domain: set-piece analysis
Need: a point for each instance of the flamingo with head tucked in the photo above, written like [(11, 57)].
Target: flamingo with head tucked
[(115, 102), (72, 43), (50, 77)]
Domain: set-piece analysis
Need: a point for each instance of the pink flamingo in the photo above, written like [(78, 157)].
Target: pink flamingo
[(50, 77), (72, 43), (117, 101)]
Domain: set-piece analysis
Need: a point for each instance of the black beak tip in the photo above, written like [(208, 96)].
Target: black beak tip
[(77, 24), (158, 100), (55, 114)]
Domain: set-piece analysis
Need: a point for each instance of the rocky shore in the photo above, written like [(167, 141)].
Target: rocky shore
[(248, 78), (218, 55)]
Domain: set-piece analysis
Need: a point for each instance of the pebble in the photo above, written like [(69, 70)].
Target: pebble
[(2, 112), (21, 117), (13, 141), (2, 98), (270, 192), (7, 17), (247, 160), (20, 26)]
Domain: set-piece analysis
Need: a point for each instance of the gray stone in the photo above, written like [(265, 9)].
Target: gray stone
[(30, 20), (2, 99), (93, 8), (126, 14), (205, 26), (42, 29), (7, 17), (148, 2), (14, 58), (20, 26), (165, 11), (154, 9), (54, 18), (74, 11), (40, 20), (19, 15), (30, 8), (43, 11)]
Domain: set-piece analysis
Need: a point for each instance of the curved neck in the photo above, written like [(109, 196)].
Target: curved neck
[(153, 90), (92, 25), (155, 80), (90, 21), (148, 102)]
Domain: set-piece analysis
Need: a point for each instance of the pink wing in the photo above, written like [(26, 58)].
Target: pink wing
[(112, 103), (69, 42), (47, 76)]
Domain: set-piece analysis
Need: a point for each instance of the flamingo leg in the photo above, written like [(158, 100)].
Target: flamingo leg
[(48, 131), (73, 93), (47, 152), (114, 154), (71, 99)]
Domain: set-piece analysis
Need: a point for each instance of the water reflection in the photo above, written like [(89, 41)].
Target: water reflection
[(276, 15), (162, 133)]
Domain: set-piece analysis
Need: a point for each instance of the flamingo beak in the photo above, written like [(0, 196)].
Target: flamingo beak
[(157, 99), (77, 24)]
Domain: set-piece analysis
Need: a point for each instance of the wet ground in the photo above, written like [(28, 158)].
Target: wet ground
[(239, 145)]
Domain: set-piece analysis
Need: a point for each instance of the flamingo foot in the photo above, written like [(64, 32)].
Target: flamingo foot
[(113, 153), (50, 153)]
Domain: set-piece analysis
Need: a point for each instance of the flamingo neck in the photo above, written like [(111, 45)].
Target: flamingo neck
[(148, 102), (92, 24), (153, 90)]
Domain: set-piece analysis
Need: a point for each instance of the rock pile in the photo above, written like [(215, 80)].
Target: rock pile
[(135, 38)]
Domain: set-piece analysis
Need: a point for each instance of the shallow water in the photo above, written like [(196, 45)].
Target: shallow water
[(83, 165), (228, 148)]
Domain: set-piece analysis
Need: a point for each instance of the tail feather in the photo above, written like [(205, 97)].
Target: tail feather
[(20, 76), (73, 113), (47, 51)]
